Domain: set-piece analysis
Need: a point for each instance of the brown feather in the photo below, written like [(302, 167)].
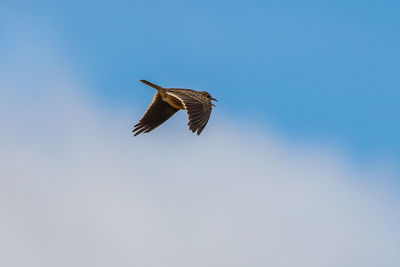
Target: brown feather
[(157, 113), (197, 106)]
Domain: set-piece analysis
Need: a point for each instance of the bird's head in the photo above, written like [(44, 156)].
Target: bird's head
[(206, 94)]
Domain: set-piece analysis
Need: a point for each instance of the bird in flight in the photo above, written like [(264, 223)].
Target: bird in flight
[(167, 101)]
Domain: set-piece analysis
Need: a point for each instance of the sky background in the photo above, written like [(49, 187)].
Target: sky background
[(313, 71), (298, 165)]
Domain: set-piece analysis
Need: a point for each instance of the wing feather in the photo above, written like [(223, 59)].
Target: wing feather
[(157, 113), (198, 108)]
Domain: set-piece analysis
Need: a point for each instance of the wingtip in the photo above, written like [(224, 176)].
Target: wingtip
[(137, 132)]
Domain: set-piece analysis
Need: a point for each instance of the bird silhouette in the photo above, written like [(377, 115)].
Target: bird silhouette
[(167, 101)]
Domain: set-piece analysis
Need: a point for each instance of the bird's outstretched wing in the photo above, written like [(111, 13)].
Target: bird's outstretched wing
[(198, 108), (157, 113)]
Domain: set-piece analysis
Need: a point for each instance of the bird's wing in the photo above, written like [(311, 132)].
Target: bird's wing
[(198, 108), (157, 113)]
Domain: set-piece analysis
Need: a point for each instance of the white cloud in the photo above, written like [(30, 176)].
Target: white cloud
[(76, 189)]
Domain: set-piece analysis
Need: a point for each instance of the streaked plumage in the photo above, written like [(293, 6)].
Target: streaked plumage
[(167, 101)]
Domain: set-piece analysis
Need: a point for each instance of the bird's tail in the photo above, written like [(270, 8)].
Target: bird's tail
[(157, 87)]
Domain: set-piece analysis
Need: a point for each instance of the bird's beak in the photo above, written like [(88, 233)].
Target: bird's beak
[(214, 100)]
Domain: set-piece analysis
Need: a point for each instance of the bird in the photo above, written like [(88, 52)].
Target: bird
[(167, 101)]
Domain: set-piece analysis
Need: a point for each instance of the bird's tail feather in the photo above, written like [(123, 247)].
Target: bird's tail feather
[(151, 84)]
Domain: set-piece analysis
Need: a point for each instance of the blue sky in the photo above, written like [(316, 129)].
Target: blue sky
[(316, 71)]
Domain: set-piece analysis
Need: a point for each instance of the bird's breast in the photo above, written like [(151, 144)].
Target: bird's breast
[(174, 102)]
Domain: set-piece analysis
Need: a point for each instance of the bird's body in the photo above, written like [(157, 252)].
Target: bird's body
[(172, 101), (167, 101)]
